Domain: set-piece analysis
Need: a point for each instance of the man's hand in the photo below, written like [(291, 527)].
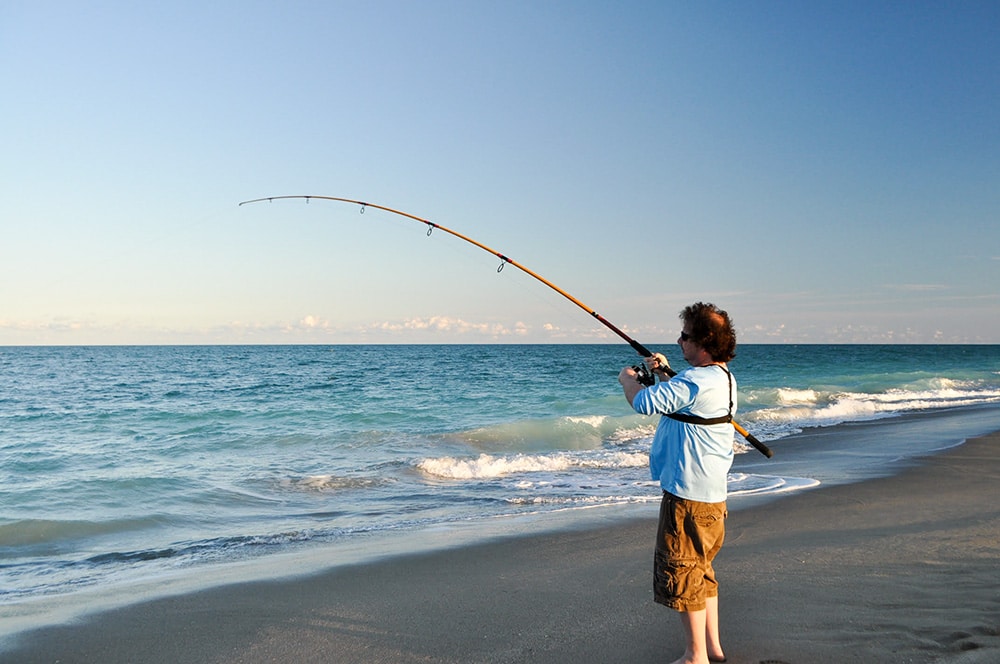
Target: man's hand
[(628, 375), (629, 380), (657, 363)]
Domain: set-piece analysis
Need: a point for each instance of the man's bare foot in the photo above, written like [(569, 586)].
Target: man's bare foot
[(715, 653), (712, 659), (685, 659)]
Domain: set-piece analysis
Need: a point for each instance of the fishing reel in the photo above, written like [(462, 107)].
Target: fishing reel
[(643, 375)]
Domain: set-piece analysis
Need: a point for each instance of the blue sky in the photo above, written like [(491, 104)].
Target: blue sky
[(826, 171)]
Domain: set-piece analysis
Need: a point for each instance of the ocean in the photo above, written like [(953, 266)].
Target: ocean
[(127, 472)]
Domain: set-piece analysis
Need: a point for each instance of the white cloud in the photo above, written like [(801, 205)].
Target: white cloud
[(447, 325), (916, 288), (313, 322)]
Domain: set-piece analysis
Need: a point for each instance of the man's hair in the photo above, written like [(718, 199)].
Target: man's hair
[(712, 329)]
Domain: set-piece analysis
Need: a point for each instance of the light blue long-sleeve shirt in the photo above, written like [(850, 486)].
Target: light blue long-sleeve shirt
[(691, 461)]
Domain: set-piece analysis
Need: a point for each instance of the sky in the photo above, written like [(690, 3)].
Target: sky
[(827, 172)]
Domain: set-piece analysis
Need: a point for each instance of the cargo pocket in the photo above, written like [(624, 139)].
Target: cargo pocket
[(676, 581), (706, 533), (706, 520)]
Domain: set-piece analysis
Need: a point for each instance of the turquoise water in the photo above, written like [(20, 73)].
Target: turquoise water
[(121, 463)]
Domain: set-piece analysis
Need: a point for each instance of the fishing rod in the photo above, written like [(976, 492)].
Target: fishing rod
[(504, 260)]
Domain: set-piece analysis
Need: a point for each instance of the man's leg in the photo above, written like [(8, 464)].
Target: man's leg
[(694, 633), (712, 641)]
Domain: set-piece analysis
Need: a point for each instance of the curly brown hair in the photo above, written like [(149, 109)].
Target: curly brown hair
[(712, 329)]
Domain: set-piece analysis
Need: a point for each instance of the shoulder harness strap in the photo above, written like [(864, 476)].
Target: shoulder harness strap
[(694, 419)]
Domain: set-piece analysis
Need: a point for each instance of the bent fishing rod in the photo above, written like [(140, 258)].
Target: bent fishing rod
[(431, 226)]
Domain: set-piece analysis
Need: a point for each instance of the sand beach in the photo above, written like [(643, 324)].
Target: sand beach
[(896, 569)]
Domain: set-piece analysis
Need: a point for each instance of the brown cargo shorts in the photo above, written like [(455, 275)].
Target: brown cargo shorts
[(688, 537)]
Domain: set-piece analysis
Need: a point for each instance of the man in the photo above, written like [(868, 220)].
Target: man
[(691, 454)]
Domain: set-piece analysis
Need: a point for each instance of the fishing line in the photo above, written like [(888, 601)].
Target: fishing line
[(505, 260)]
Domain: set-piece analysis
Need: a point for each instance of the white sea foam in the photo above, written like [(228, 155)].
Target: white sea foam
[(615, 460), (789, 396), (487, 466), (743, 484), (595, 421), (329, 483), (582, 501), (794, 409)]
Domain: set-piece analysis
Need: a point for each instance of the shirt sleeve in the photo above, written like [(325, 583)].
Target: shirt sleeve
[(665, 397)]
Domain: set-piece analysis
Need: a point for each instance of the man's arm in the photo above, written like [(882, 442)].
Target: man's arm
[(630, 383)]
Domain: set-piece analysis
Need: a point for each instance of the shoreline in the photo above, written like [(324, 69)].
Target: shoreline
[(897, 568)]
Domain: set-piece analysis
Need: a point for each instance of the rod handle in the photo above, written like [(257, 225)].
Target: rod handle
[(761, 447)]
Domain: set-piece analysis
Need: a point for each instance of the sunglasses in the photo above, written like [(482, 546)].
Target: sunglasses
[(685, 336)]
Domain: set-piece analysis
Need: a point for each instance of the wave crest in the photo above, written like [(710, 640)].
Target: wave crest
[(487, 466)]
